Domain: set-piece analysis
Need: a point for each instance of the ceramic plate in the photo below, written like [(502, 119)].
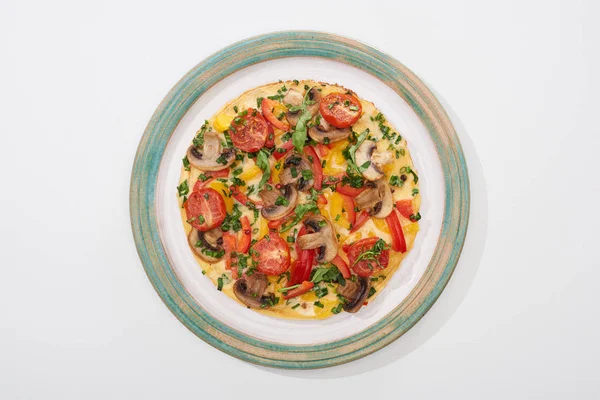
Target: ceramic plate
[(409, 106)]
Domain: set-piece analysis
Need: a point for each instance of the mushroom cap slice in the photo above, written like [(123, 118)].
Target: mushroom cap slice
[(211, 157), (322, 131), (386, 205), (355, 293), (295, 98), (377, 198), (250, 289), (367, 152), (273, 211), (293, 165), (207, 245), (321, 237)]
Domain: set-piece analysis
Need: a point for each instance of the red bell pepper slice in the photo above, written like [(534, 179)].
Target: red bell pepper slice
[(321, 199), (270, 137), (224, 173), (347, 189), (304, 287), (287, 146), (349, 207), (322, 149), (398, 241), (342, 266), (310, 257), (362, 219), (229, 246), (405, 207), (242, 198), (244, 243), (304, 262), (266, 107), (316, 166)]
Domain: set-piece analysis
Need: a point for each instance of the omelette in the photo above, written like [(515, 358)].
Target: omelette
[(299, 200)]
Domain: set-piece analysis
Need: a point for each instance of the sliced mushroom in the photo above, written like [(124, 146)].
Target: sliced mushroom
[(293, 165), (207, 245), (323, 132), (250, 290), (210, 157), (278, 202), (355, 293), (377, 199), (295, 98), (321, 236), (367, 152)]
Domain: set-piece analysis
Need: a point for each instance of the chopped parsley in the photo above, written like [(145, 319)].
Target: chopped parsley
[(186, 163), (337, 309), (300, 132), (300, 211), (199, 139), (183, 188), (262, 161)]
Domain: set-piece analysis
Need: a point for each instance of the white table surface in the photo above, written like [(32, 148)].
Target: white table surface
[(78, 83)]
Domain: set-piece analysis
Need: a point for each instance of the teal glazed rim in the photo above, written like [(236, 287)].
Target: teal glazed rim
[(264, 48)]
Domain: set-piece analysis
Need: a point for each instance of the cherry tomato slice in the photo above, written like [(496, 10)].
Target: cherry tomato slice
[(205, 209), (266, 107), (340, 109), (364, 266), (272, 254), (249, 131), (405, 207)]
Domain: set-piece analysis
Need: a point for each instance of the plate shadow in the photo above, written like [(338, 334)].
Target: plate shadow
[(454, 293)]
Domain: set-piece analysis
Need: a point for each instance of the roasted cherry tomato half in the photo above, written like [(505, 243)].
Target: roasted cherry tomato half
[(249, 131), (364, 261), (205, 209), (340, 109), (272, 255)]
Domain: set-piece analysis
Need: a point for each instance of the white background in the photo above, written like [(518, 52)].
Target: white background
[(78, 83)]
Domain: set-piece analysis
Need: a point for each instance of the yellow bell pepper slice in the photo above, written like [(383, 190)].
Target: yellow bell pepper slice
[(222, 189), (335, 162), (249, 172), (336, 206), (381, 225), (222, 122)]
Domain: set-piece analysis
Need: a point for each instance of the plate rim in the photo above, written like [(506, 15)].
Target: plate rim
[(267, 47)]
